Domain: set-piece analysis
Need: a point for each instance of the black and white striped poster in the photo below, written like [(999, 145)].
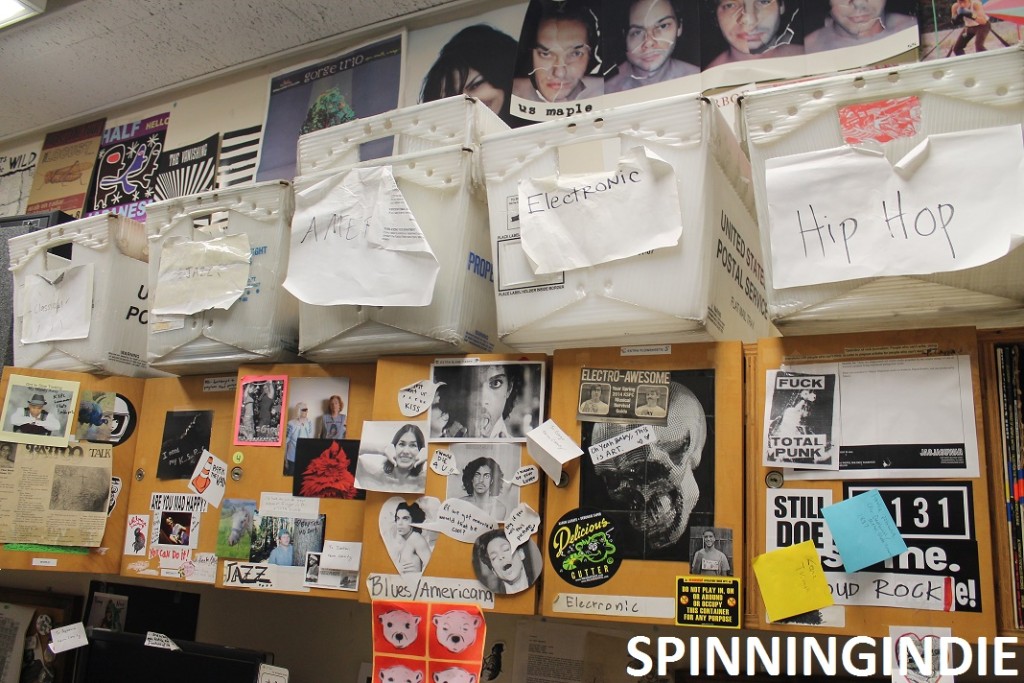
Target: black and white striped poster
[(187, 170)]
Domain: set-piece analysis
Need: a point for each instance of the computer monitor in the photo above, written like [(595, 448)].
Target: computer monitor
[(117, 657)]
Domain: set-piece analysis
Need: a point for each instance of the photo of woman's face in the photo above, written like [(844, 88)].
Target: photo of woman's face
[(560, 58), (406, 450), (749, 25)]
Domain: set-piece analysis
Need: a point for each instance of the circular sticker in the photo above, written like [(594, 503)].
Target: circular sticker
[(237, 458), (105, 417), (582, 548), (503, 569)]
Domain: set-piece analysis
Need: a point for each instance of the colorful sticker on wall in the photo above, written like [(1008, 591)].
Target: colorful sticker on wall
[(136, 535), (583, 548), (104, 416), (708, 601), (126, 168), (416, 641)]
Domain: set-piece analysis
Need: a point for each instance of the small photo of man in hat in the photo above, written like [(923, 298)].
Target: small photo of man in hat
[(34, 418)]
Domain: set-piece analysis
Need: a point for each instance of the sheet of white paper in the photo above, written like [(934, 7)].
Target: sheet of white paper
[(355, 241), (614, 605), (57, 304), (203, 568), (872, 218), (551, 448), (68, 637), (341, 555), (911, 417), (439, 588), (286, 505), (580, 220), (154, 639), (197, 276), (622, 443)]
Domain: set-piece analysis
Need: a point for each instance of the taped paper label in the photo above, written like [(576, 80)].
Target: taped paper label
[(197, 276)]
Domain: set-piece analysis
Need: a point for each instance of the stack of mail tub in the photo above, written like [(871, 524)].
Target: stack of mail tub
[(705, 287), (968, 94), (436, 167), (58, 325), (261, 326)]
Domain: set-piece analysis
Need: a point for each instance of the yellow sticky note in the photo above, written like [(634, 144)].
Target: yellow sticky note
[(792, 581)]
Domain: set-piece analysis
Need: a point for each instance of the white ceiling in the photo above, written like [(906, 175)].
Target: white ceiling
[(85, 56)]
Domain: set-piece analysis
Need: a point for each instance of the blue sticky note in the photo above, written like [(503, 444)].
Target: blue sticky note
[(863, 530)]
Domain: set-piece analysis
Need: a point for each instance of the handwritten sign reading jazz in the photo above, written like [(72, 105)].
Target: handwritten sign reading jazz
[(873, 218)]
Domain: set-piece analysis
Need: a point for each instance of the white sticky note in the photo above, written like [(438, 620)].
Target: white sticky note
[(414, 399), (551, 448), (210, 478), (622, 443), (522, 523), (154, 639), (525, 476), (275, 504), (443, 463), (68, 637)]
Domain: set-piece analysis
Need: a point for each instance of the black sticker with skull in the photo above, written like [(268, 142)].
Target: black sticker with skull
[(655, 492), (583, 549)]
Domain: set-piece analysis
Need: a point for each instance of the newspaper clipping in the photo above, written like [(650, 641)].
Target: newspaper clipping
[(57, 496)]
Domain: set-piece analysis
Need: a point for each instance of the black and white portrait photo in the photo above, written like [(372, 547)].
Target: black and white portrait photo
[(392, 457), (409, 545), (655, 493), (484, 478), (711, 551), (499, 401), (502, 568)]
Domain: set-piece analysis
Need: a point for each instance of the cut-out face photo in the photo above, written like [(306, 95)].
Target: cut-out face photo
[(485, 471), (409, 546), (503, 569), (655, 492), (487, 401)]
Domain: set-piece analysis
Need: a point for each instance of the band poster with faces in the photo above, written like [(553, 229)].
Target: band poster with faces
[(655, 494)]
